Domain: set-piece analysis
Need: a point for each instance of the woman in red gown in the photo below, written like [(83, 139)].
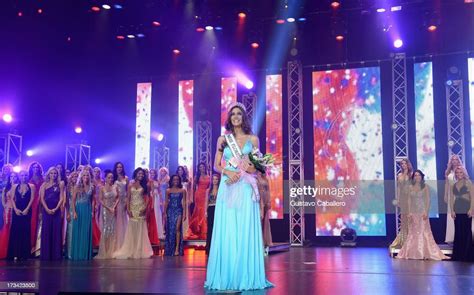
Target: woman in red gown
[(8, 179), (198, 223), (150, 217), (36, 178)]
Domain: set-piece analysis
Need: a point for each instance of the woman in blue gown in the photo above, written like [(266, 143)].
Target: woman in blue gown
[(175, 213), (82, 214), (236, 259)]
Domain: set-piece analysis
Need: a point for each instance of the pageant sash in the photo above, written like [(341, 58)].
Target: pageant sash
[(236, 162), (234, 149)]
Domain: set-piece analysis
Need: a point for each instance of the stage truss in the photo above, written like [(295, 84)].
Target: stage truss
[(400, 118), (10, 149), (250, 102), (204, 138), (455, 118), (76, 155), (295, 148), (161, 157)]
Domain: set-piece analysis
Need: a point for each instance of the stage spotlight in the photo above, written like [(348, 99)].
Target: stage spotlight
[(97, 161), (40, 11), (218, 28), (29, 153), (242, 15), (348, 237), (380, 10), (254, 45), (398, 43), (140, 35), (106, 6), (118, 6), (302, 19), (120, 37), (156, 24), (160, 136), (335, 4), (395, 8), (130, 36), (209, 28), (290, 19), (16, 169), (7, 118), (200, 30), (432, 28), (20, 14), (95, 8), (176, 51), (339, 37), (280, 21), (78, 130), (449, 82), (249, 85)]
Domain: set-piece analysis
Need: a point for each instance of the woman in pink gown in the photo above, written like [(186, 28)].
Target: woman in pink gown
[(419, 243)]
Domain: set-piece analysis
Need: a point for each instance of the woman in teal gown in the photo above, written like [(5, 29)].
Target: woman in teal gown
[(82, 218), (236, 258)]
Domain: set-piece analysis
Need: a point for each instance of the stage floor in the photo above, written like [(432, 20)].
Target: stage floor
[(298, 271)]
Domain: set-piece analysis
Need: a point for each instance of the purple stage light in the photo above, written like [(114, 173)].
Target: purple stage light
[(16, 169), (29, 153), (249, 84), (7, 118), (160, 136), (243, 80), (78, 130), (398, 43), (97, 161)]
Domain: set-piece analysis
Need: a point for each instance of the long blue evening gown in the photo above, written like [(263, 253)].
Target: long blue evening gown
[(173, 212), (236, 259), (82, 227)]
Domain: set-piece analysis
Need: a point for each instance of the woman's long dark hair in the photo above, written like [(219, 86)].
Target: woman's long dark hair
[(114, 171), (30, 171), (198, 174), (180, 184), (422, 182), (9, 185), (185, 175), (62, 174), (144, 181), (246, 125), (211, 185)]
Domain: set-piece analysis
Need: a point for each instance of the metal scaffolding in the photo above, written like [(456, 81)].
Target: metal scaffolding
[(204, 138), (295, 147), (76, 155), (455, 118), (10, 149), (161, 157), (400, 117), (250, 102)]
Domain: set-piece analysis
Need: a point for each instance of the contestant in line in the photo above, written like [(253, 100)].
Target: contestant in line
[(175, 209), (136, 243), (420, 243), (236, 258), (108, 198), (403, 185), (462, 211), (82, 217), (211, 197), (453, 163), (52, 199), (198, 223), (121, 181)]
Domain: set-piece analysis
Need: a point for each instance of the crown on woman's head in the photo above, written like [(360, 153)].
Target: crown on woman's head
[(237, 104)]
